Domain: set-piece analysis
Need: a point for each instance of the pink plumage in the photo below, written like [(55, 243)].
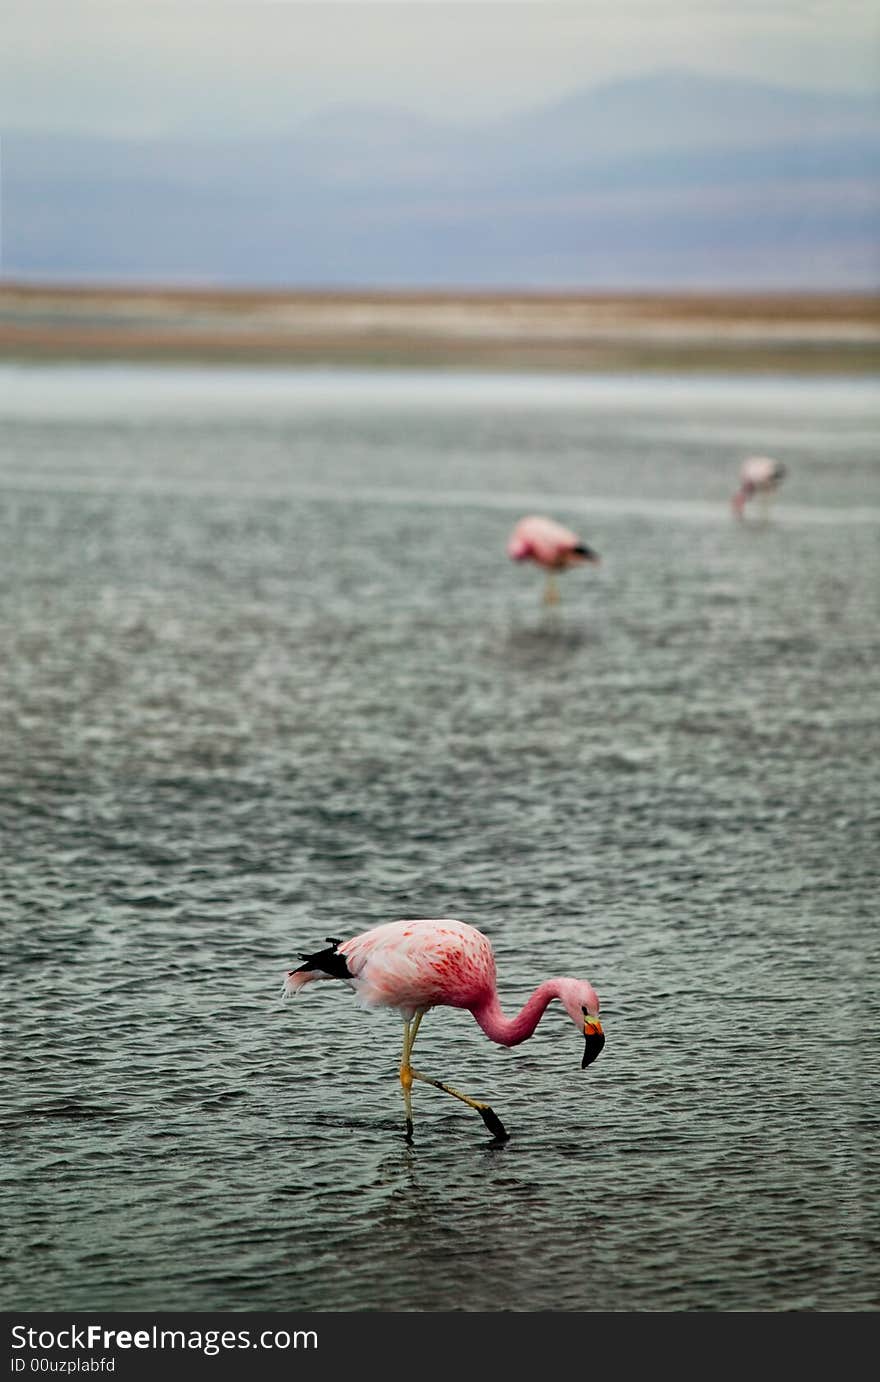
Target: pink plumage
[(757, 475), (413, 966), (548, 543), (551, 546), (410, 965)]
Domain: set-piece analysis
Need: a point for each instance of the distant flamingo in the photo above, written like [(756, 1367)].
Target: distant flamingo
[(416, 965), (546, 542), (758, 475)]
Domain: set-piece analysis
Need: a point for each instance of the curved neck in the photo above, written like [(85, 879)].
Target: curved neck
[(510, 1031)]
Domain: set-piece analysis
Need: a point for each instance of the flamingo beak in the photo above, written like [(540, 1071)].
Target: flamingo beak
[(587, 554), (594, 1039)]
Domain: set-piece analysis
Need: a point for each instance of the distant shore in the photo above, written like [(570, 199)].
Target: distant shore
[(576, 332)]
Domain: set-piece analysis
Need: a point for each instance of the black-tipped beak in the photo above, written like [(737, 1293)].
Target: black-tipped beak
[(587, 553), (594, 1040)]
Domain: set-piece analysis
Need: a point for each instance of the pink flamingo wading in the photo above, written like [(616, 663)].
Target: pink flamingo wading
[(550, 545), (759, 475), (414, 966)]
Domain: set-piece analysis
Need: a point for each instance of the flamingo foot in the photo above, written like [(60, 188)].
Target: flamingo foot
[(488, 1115), (493, 1123)]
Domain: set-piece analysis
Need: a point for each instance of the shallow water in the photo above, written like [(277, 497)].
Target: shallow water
[(268, 676)]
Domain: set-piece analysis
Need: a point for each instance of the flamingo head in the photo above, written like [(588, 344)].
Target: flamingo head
[(584, 553), (582, 1005)]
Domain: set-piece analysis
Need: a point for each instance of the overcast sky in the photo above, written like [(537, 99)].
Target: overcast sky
[(212, 67)]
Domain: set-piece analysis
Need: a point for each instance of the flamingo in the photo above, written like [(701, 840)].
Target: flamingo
[(413, 966), (758, 475), (546, 542)]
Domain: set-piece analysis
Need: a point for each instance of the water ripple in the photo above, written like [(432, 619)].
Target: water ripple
[(272, 679)]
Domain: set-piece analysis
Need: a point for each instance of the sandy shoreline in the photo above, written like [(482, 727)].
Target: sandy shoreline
[(539, 331)]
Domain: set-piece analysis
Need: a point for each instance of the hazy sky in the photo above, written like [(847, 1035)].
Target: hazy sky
[(213, 67)]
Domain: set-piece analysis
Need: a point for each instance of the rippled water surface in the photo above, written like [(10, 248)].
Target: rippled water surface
[(268, 676)]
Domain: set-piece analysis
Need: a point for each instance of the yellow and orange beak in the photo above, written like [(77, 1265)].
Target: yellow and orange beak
[(594, 1038)]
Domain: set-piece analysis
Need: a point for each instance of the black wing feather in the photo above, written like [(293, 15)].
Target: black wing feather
[(328, 961)]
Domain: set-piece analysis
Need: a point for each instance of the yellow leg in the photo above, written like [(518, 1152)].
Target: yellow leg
[(551, 590), (410, 1028), (489, 1117), (407, 1075)]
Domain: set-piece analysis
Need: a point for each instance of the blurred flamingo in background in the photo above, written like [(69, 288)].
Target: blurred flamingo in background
[(546, 542), (413, 966), (759, 475)]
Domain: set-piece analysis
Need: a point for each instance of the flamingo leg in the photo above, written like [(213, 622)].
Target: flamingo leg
[(488, 1115), (406, 1079), (551, 590), (408, 1074), (410, 1028)]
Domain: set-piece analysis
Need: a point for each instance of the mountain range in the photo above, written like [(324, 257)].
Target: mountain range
[(669, 181)]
